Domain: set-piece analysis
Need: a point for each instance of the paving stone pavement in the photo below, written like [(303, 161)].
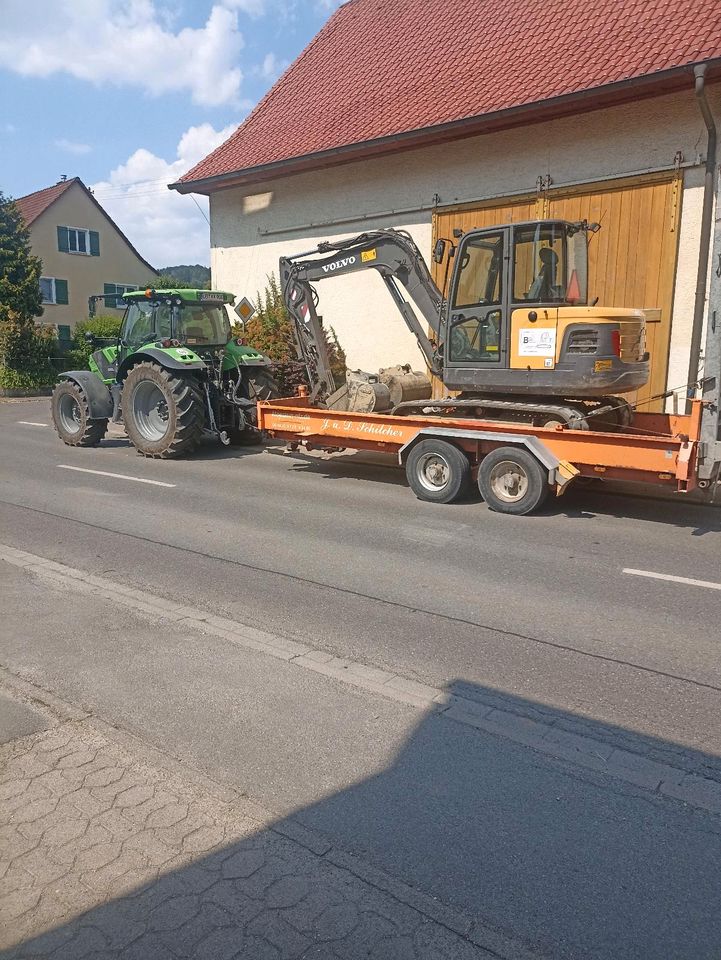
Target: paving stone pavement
[(105, 855)]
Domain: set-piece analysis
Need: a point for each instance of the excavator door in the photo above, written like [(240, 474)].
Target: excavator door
[(476, 335)]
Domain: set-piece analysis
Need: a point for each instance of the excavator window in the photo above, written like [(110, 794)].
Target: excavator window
[(477, 338), (479, 277), (539, 263), (478, 290)]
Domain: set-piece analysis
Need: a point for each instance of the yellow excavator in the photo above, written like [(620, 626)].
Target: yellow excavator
[(515, 339)]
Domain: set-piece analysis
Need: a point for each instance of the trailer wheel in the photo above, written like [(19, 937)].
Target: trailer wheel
[(438, 471), (511, 480)]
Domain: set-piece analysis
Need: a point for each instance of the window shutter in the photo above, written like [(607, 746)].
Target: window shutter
[(61, 291), (63, 245), (110, 301), (64, 335), (94, 243)]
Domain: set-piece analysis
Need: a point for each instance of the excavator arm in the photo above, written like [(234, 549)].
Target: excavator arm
[(400, 263)]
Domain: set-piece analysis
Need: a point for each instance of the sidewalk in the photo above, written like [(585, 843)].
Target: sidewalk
[(107, 850)]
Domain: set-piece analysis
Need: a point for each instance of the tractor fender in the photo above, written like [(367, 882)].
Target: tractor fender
[(100, 401), (161, 358)]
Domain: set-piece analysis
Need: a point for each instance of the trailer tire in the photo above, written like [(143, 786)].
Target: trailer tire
[(438, 471), (511, 480)]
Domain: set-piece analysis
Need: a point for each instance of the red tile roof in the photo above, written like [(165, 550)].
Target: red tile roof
[(36, 203), (382, 69)]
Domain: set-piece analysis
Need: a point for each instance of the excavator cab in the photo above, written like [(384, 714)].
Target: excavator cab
[(517, 319)]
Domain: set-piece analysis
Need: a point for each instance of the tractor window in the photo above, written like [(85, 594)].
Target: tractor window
[(138, 324), (202, 323), (539, 263), (479, 274)]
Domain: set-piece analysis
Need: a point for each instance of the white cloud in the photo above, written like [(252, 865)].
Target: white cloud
[(164, 226), (284, 11), (68, 146), (254, 8), (271, 67), (125, 43)]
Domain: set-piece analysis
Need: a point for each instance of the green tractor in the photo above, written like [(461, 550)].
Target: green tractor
[(174, 375)]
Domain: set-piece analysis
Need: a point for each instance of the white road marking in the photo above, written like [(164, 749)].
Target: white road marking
[(31, 423), (585, 751), (118, 476), (709, 584)]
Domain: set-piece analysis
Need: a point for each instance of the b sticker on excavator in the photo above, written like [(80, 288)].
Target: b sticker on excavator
[(367, 255)]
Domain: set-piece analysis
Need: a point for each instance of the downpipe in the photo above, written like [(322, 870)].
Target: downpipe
[(699, 72)]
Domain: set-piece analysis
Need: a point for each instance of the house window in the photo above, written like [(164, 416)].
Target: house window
[(54, 290), (77, 240), (114, 290)]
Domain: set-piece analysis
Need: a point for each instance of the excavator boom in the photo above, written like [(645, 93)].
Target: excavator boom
[(395, 256)]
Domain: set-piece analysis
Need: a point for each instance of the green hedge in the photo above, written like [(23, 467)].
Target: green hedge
[(25, 352)]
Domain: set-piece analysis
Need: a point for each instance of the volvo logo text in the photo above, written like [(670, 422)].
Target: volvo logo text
[(337, 264)]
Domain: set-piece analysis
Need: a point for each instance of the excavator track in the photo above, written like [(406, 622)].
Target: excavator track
[(608, 414)]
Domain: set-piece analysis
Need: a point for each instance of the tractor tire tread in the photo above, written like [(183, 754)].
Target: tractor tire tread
[(189, 412), (91, 431)]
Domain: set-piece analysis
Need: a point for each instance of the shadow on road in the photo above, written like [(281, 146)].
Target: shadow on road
[(543, 855)]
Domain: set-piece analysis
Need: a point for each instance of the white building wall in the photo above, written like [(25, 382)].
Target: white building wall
[(251, 227)]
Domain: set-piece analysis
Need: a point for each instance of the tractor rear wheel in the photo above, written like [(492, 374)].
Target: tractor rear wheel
[(71, 416), (164, 414), (262, 385)]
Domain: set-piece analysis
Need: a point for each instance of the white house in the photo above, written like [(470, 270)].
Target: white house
[(429, 116)]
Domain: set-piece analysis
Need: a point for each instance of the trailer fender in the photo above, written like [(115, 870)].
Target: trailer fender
[(560, 472), (100, 401)]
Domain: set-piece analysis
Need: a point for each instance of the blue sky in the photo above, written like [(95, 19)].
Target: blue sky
[(128, 94)]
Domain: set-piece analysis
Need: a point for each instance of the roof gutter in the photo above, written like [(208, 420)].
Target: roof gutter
[(706, 223), (536, 112)]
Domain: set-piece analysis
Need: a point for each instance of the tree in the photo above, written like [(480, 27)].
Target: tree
[(25, 352), (20, 296), (166, 282), (270, 331)]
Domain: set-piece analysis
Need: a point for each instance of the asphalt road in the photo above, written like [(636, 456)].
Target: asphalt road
[(536, 615)]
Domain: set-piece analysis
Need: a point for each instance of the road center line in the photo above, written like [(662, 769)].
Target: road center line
[(31, 423), (708, 584), (118, 476)]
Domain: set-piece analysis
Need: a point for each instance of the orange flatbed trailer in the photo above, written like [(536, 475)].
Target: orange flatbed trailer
[(656, 449)]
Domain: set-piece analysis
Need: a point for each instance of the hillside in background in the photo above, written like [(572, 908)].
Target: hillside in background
[(195, 275)]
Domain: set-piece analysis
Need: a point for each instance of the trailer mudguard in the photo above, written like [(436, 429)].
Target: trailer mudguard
[(100, 401), (559, 471)]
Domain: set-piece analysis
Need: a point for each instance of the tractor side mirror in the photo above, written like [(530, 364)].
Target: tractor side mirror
[(439, 251), (89, 337)]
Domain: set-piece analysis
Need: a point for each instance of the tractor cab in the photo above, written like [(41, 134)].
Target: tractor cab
[(194, 318)]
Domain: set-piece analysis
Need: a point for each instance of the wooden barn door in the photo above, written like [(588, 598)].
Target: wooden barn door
[(632, 259)]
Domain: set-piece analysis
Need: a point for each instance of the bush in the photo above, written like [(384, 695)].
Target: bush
[(270, 331), (25, 352), (103, 325)]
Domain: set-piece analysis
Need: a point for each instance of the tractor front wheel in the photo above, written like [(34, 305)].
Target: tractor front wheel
[(71, 416), (164, 414)]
